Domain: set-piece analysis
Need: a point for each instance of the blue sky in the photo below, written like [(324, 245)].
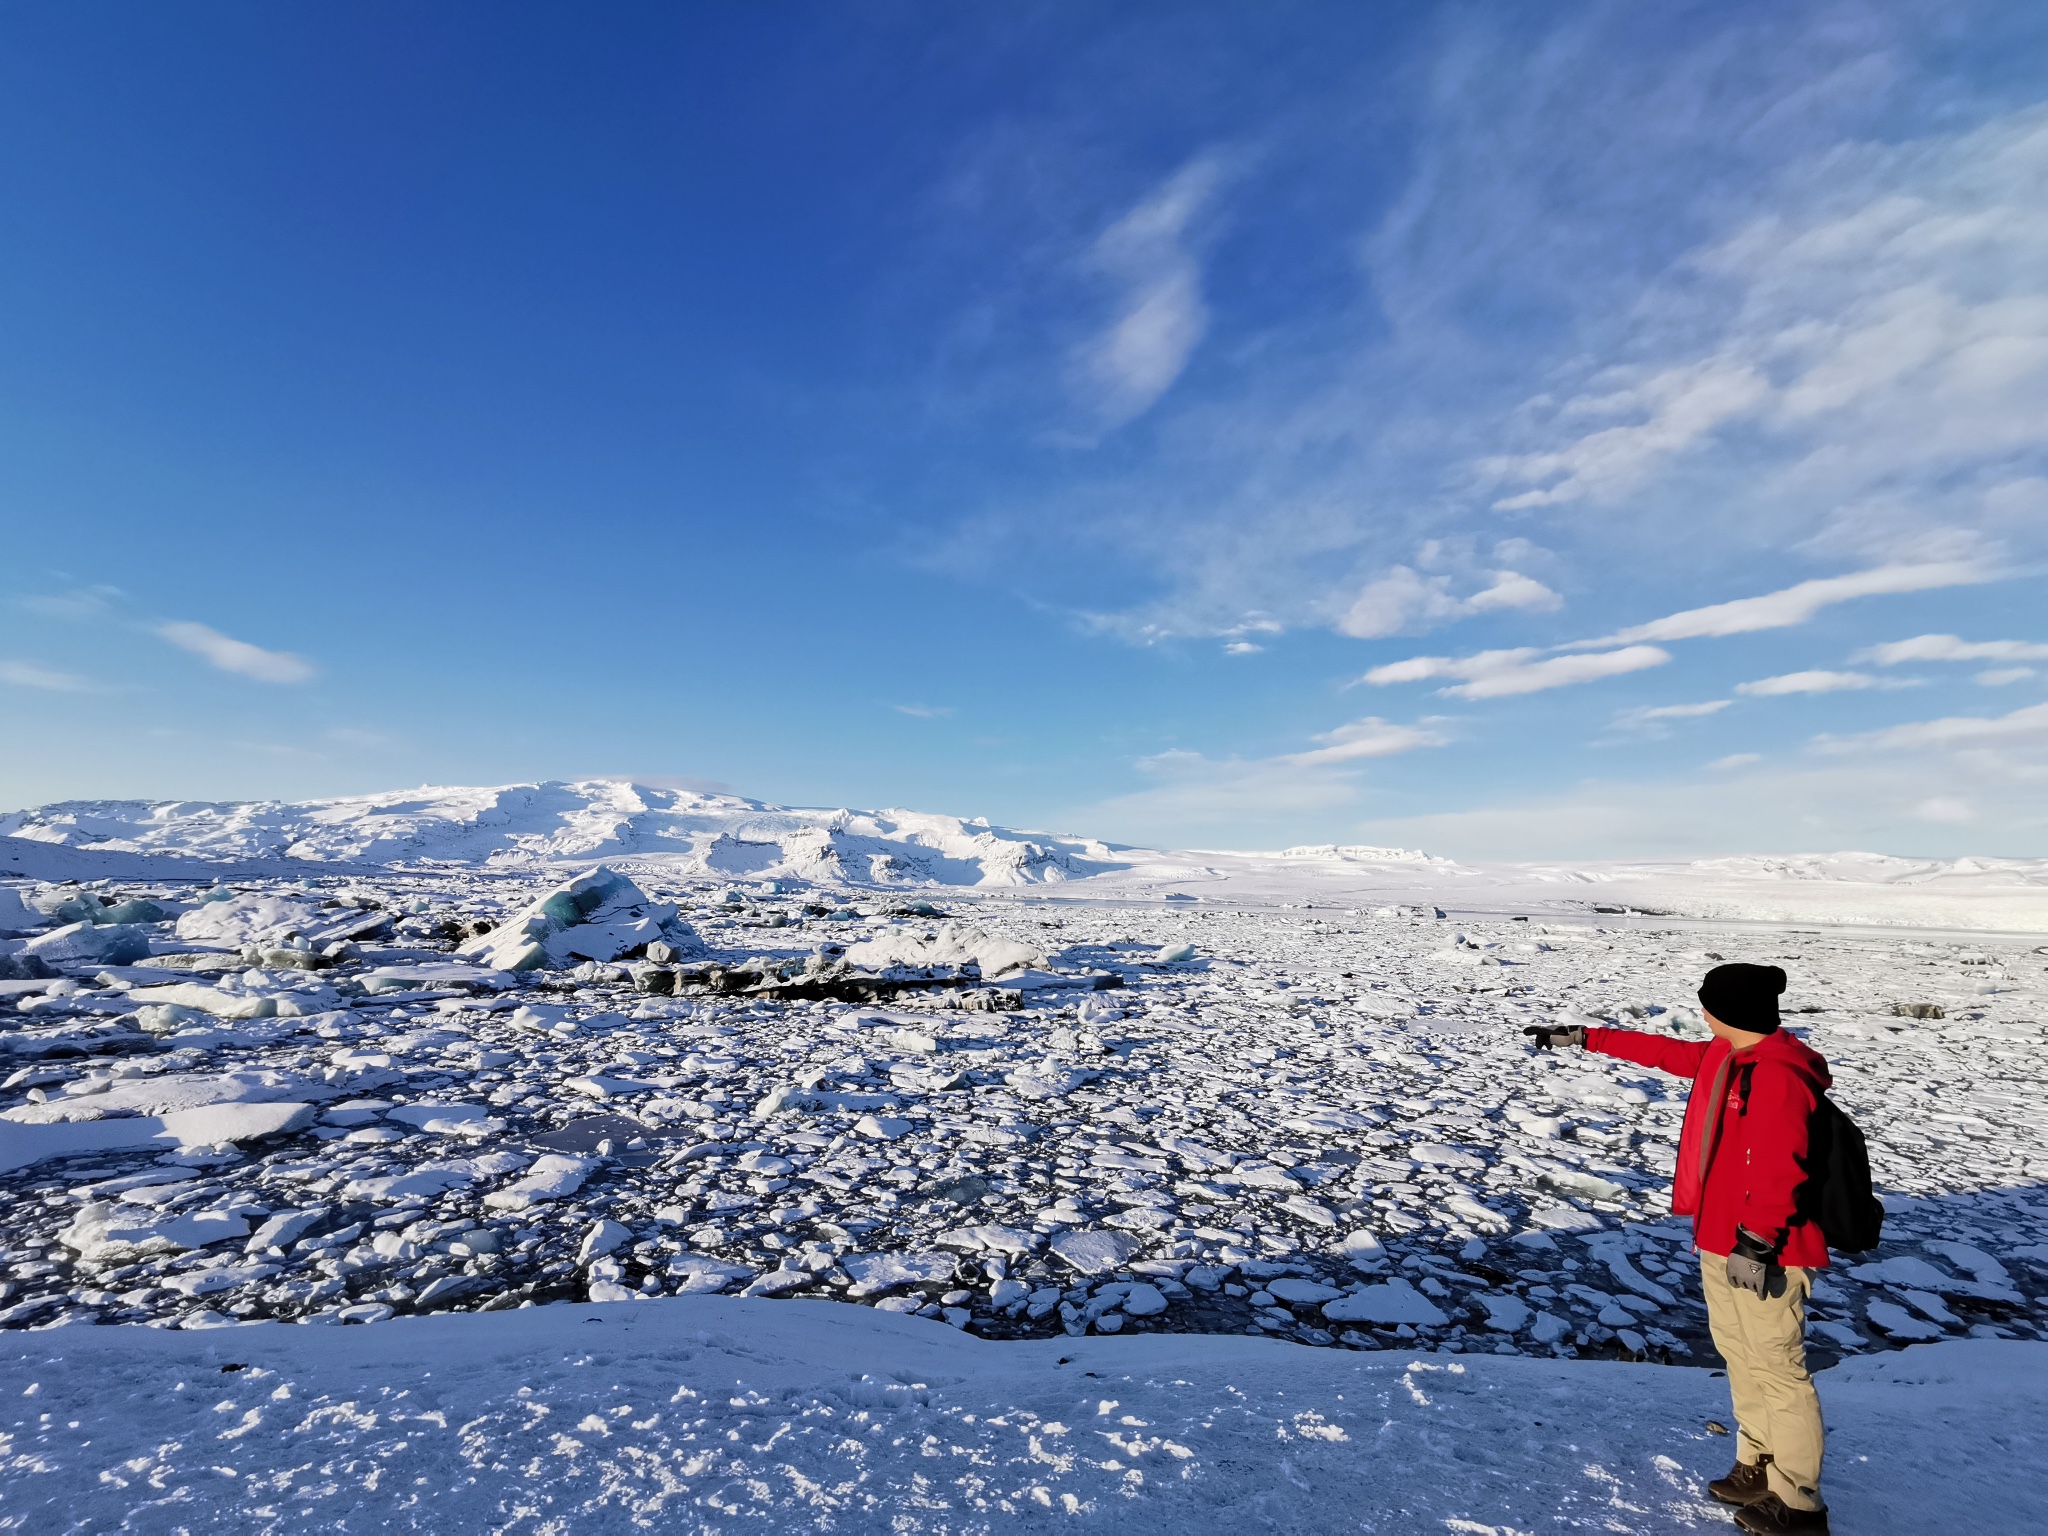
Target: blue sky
[(1508, 430)]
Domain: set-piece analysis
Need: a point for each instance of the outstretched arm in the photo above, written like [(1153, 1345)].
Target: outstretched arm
[(1681, 1058)]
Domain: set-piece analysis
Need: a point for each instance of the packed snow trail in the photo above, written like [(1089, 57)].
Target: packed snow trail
[(716, 1414)]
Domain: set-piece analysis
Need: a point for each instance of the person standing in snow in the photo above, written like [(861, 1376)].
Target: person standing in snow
[(1742, 1164)]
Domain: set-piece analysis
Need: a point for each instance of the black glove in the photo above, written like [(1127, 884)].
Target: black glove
[(1547, 1035), (1752, 1262)]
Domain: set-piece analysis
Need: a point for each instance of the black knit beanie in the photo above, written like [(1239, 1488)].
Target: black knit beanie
[(1744, 996)]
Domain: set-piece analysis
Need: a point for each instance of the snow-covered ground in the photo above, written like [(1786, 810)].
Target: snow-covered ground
[(718, 1414), (1175, 1140)]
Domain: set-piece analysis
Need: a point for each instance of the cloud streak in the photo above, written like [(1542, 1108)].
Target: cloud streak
[(1369, 737), (1951, 648), (236, 656), (1162, 315), (1798, 604), (29, 674), (1954, 732), (1818, 682), (1501, 674)]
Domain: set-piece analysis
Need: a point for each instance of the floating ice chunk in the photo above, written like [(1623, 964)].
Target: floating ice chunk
[(1144, 1301), (599, 1087), (1980, 1265), (285, 1228), (1898, 1323), (1095, 1253), (1903, 1269), (1437, 1155), (471, 1120), (1196, 1155), (990, 1239), (1565, 1218), (1504, 1314), (1008, 1295), (1175, 954), (1611, 1249), (881, 1127), (600, 915), (435, 1178), (1049, 1082), (1313, 1211), (89, 944), (105, 1232), (876, 1274), (1548, 1328), (24, 1145), (249, 919), (1261, 1175), (552, 1177), (955, 945), (1301, 1292), (211, 1282), (812, 1099), (1321, 1121), (1465, 1208), (224, 1124), (606, 1237), (1391, 1304), (780, 1281), (218, 1001), (1574, 1182), (1363, 1249)]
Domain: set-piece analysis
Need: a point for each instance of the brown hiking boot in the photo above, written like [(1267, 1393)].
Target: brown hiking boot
[(1746, 1482), (1771, 1515)]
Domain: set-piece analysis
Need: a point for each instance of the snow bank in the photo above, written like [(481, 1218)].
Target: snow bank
[(697, 1413)]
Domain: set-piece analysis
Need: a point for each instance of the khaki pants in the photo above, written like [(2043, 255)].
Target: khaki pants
[(1763, 1339)]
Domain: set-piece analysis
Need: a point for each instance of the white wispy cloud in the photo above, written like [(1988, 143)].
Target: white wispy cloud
[(1404, 599), (1648, 712), (1998, 677), (1191, 789), (30, 674), (1819, 682), (1799, 603), (1951, 648), (1499, 674), (1955, 731), (1161, 314), (1654, 720), (1880, 325), (1678, 406), (237, 656), (1369, 737), (924, 711)]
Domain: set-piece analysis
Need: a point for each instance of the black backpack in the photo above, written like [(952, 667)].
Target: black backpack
[(1837, 1196)]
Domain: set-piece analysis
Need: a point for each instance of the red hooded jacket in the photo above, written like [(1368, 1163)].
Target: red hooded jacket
[(1742, 1155)]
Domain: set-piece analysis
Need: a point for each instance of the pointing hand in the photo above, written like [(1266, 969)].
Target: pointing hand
[(1547, 1035)]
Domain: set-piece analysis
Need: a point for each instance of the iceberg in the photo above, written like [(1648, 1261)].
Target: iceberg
[(599, 916), (89, 943)]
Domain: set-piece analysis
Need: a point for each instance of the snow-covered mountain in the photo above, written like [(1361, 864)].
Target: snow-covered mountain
[(520, 826), (534, 827)]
